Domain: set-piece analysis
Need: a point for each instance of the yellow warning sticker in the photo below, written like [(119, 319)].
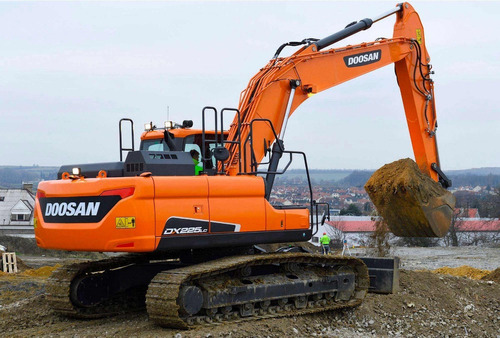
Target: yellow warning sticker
[(125, 222), (419, 36), (35, 222)]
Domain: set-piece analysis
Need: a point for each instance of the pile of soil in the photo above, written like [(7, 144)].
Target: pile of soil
[(411, 203), (26, 271), (428, 305), (433, 305), (44, 271), (493, 276), (21, 266), (27, 246), (463, 271)]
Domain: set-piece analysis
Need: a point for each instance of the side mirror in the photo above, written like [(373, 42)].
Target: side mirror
[(221, 153), (323, 219), (187, 123), (168, 137)]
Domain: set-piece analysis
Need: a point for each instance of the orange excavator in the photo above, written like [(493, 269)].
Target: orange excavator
[(191, 239)]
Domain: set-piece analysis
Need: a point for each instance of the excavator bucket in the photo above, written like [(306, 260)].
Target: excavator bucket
[(411, 203)]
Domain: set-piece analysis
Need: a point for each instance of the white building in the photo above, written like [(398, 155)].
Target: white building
[(357, 230), (16, 211)]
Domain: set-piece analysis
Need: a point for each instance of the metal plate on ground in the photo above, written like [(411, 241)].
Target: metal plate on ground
[(384, 274)]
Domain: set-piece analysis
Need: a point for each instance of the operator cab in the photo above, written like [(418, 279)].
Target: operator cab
[(183, 139), (162, 152)]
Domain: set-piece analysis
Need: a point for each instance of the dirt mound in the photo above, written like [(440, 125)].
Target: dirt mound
[(27, 246), (44, 271), (433, 305), (493, 276), (411, 203), (428, 305), (24, 270), (21, 266), (21, 245), (463, 271)]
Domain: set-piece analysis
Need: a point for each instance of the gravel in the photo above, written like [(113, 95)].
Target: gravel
[(428, 305)]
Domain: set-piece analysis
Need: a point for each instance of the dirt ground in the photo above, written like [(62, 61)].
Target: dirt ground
[(437, 257), (428, 305)]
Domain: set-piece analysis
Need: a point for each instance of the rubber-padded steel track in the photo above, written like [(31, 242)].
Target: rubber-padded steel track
[(162, 299), (60, 283)]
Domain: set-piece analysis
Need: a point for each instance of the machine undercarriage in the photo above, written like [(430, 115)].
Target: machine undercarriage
[(232, 288)]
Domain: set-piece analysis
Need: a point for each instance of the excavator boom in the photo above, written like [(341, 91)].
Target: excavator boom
[(278, 89)]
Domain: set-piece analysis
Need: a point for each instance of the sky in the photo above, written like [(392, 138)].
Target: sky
[(70, 71)]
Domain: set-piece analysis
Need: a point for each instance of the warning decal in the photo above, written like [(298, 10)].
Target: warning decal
[(125, 222), (419, 36)]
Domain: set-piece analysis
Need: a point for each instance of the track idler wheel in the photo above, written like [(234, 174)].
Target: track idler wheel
[(90, 289), (190, 300)]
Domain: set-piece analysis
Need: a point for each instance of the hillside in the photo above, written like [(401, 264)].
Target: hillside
[(475, 171), (358, 178), (14, 176)]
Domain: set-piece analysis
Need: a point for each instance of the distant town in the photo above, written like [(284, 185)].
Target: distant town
[(354, 201), (351, 212), (343, 190)]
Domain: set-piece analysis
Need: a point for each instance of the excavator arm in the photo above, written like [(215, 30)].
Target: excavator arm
[(409, 199), (279, 88)]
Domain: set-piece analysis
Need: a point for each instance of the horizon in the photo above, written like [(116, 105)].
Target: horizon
[(292, 169)]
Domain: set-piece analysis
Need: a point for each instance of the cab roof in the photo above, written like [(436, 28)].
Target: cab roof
[(178, 132)]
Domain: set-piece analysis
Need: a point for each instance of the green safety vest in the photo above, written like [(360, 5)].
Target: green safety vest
[(325, 240), (197, 167)]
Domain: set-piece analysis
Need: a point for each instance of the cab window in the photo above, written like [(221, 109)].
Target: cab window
[(194, 142), (190, 146), (154, 145)]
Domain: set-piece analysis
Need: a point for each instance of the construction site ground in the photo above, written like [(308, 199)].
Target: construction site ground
[(428, 304)]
